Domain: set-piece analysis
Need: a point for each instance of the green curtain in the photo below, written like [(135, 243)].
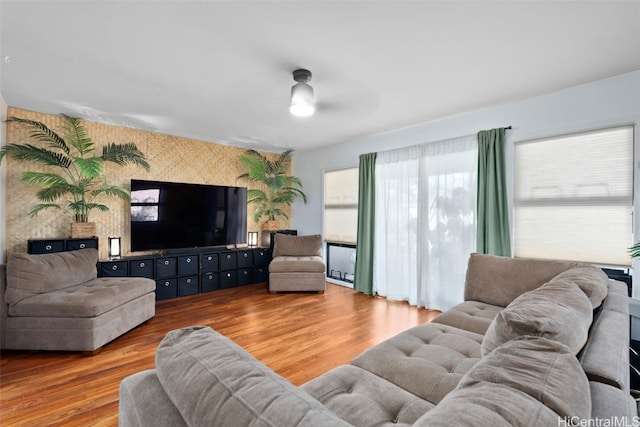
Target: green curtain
[(363, 280), (493, 217)]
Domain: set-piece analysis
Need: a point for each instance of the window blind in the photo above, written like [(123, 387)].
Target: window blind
[(574, 197), (341, 205)]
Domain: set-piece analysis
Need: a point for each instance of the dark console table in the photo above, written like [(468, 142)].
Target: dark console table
[(193, 272), (183, 272)]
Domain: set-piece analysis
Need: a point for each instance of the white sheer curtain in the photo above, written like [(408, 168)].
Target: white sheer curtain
[(425, 221)]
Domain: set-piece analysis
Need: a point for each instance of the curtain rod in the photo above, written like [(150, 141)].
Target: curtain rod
[(507, 128)]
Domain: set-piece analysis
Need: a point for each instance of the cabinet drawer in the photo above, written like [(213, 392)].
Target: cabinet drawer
[(75, 244), (260, 274), (166, 288), (48, 246), (228, 261), (228, 279), (141, 268), (261, 257), (245, 259), (245, 276), (166, 267), (187, 285), (209, 262), (209, 282), (188, 265), (114, 269)]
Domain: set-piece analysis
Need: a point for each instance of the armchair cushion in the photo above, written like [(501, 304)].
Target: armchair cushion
[(286, 245), (309, 264), (29, 275)]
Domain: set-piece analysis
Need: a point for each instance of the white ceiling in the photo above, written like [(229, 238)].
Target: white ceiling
[(221, 70)]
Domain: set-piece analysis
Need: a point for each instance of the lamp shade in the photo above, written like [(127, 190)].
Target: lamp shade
[(114, 247), (302, 99), (253, 238)]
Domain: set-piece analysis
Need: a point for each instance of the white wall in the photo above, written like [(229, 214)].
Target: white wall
[(3, 184), (602, 103)]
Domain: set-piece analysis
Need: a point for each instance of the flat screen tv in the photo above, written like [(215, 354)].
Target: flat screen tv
[(171, 215)]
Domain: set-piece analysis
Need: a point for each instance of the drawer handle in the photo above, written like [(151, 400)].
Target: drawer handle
[(245, 254), (209, 258), (245, 272), (188, 260), (48, 248), (228, 274), (188, 280), (166, 262), (229, 256), (142, 265), (166, 283), (114, 267), (210, 277), (82, 246)]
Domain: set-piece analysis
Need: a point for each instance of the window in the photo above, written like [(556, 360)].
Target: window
[(341, 205), (574, 197), (144, 205)]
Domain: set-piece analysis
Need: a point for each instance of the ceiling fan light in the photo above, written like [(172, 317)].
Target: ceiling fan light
[(302, 99)]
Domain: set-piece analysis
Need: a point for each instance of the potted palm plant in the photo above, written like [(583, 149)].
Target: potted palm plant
[(278, 188), (72, 180)]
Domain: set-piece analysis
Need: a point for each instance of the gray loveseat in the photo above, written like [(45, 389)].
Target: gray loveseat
[(536, 343), (57, 302)]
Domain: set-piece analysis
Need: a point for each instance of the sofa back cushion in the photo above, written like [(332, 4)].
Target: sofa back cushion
[(558, 310), (29, 275), (288, 245), (499, 280), (591, 280), (213, 381), (527, 381)]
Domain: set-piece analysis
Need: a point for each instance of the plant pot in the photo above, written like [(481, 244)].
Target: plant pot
[(83, 229), (271, 225)]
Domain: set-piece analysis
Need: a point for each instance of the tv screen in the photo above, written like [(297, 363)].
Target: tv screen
[(170, 215)]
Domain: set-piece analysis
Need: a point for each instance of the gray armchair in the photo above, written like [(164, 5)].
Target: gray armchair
[(297, 264)]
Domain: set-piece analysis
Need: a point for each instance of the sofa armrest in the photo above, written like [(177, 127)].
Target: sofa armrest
[(214, 381), (143, 402)]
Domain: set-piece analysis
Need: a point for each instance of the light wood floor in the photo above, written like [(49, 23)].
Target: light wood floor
[(299, 335)]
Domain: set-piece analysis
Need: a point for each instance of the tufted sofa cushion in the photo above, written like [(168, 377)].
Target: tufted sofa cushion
[(528, 381), (558, 310), (473, 316), (29, 275), (89, 299), (362, 398), (213, 381), (442, 354)]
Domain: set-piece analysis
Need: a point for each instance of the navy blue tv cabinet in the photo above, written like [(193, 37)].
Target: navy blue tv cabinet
[(194, 271)]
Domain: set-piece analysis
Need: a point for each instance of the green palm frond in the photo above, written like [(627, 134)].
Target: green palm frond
[(82, 180), (42, 206), (40, 132), (28, 152), (55, 192), (634, 251), (112, 190), (282, 189), (90, 167), (42, 178), (76, 136), (123, 154)]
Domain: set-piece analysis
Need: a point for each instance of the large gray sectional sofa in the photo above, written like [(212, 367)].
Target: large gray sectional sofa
[(535, 343), (56, 302)]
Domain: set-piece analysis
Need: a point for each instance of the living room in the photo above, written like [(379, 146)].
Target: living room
[(585, 103)]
